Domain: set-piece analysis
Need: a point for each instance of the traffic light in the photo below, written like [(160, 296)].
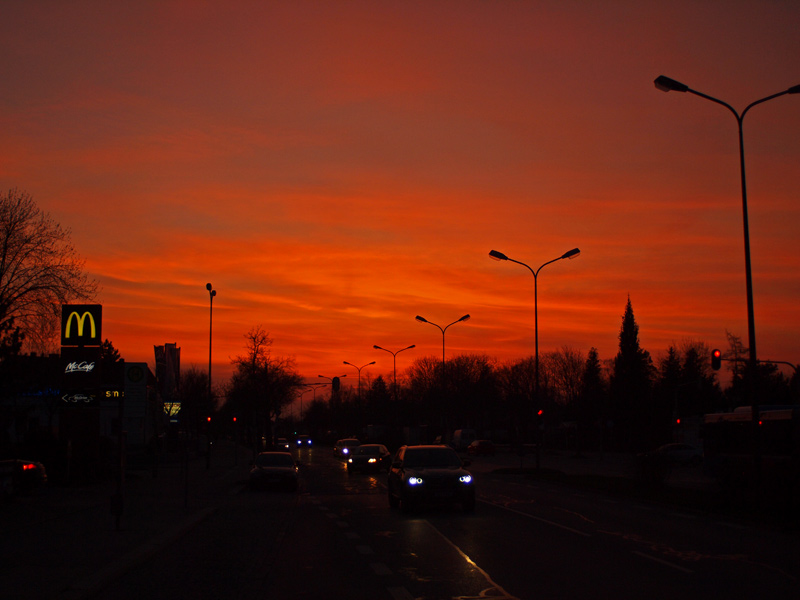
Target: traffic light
[(716, 359)]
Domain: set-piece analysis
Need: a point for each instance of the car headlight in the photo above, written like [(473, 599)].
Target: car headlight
[(465, 479), (349, 460), (415, 481), (345, 451)]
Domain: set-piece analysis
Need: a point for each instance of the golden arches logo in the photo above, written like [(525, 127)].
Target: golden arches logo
[(81, 320)]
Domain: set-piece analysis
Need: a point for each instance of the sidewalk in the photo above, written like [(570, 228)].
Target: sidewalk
[(63, 542)]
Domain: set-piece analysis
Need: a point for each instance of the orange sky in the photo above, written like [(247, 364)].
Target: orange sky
[(336, 168)]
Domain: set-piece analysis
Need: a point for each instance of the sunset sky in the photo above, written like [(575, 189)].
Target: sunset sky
[(336, 168)]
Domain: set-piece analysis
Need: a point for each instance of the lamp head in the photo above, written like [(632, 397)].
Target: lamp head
[(574, 253), (795, 89), (208, 287), (464, 318), (377, 347), (421, 319), (372, 363), (665, 84), (497, 255)]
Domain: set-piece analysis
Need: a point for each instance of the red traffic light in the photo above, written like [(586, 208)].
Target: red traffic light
[(716, 359)]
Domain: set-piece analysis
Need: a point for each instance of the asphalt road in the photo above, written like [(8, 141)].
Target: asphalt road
[(337, 538)]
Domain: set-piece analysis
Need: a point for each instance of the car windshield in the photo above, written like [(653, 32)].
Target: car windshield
[(274, 460), (431, 457), (371, 450)]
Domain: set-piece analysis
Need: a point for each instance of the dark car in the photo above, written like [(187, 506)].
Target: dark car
[(274, 470), (303, 441), (343, 448), (282, 445), (369, 457), (429, 475), (17, 475), (481, 448)]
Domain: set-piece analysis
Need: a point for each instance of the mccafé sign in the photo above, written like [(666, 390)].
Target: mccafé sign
[(81, 324)]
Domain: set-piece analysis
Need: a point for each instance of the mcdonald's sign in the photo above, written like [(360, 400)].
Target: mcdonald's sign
[(81, 324)]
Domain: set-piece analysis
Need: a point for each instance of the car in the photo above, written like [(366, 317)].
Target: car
[(428, 475), (274, 470), (282, 445), (481, 448), (18, 475), (369, 457), (342, 448), (303, 441)]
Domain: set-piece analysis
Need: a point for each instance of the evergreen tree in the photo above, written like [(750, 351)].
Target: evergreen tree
[(631, 386)]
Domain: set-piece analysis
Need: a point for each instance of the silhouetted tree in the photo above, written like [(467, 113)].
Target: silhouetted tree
[(592, 402), (631, 386), (39, 270), (261, 386)]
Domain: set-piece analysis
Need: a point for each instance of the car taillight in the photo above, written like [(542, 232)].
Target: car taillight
[(28, 467)]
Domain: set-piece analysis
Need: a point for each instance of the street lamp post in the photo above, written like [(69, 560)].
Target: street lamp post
[(394, 359), (211, 293), (424, 320), (665, 84), (570, 254), (359, 374)]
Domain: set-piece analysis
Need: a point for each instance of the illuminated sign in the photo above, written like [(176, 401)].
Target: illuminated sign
[(79, 399), (80, 368), (172, 408), (81, 324)]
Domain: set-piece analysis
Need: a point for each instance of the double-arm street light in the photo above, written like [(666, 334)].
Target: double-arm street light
[(359, 374), (574, 253), (211, 293), (394, 358), (665, 84), (424, 320)]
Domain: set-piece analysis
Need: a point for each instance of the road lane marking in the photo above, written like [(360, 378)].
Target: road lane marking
[(505, 595), (540, 519)]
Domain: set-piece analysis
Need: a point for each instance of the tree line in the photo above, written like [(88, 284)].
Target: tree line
[(628, 402)]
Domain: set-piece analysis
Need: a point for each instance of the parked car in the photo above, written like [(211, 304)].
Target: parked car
[(481, 448), (369, 457), (303, 441), (429, 475), (274, 470), (282, 445), (342, 448), (17, 475)]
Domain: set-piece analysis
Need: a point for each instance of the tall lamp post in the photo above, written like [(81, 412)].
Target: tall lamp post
[(424, 320), (211, 293), (359, 374), (665, 84), (570, 254), (394, 359)]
